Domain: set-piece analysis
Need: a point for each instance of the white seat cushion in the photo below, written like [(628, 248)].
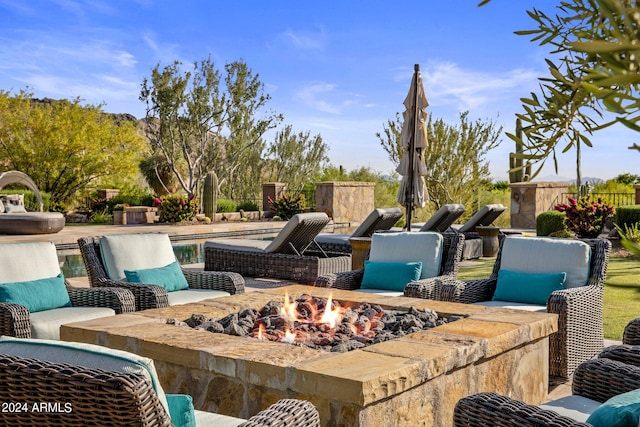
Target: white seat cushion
[(193, 295), (425, 247), (86, 355), (382, 292), (576, 407), (22, 262), (46, 324), (135, 252), (211, 419), (548, 255)]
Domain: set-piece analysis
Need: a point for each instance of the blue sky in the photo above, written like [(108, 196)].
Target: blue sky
[(340, 69)]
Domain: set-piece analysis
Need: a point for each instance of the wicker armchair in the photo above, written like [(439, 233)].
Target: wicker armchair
[(580, 330), (149, 296), (452, 250), (631, 333), (95, 396), (17, 321), (596, 380)]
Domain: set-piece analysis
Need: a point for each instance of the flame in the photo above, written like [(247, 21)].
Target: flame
[(288, 310), (331, 316), (289, 337), (261, 331)]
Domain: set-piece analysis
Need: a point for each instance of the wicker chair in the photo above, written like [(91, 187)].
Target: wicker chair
[(290, 255), (594, 382), (380, 219), (485, 216), (442, 219), (38, 260), (451, 252), (149, 296), (580, 330), (98, 396)]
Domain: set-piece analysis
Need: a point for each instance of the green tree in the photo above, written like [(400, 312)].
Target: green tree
[(295, 158), (199, 126), (455, 158), (64, 146)]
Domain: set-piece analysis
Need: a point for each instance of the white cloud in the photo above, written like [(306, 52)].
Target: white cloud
[(305, 40), (326, 98)]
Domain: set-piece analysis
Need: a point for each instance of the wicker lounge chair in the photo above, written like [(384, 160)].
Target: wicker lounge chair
[(290, 255), (442, 219), (484, 217), (136, 251), (580, 331), (379, 219), (613, 373), (448, 269), (47, 300), (94, 385)]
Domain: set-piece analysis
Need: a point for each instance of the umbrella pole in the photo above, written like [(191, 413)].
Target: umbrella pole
[(412, 140)]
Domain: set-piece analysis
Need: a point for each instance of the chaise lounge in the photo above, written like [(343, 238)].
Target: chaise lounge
[(379, 219), (442, 219), (290, 255), (483, 218)]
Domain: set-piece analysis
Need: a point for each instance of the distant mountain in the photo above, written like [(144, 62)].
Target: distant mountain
[(557, 178)]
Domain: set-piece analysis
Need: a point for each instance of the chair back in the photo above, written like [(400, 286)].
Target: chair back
[(484, 217), (379, 219), (90, 251), (298, 233), (27, 261), (443, 218)]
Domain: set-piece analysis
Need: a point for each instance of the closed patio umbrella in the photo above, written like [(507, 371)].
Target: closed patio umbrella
[(413, 139)]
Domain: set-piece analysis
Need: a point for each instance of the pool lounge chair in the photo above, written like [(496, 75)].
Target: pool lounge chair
[(378, 219), (293, 253), (107, 257), (484, 217), (442, 219), (35, 299), (73, 384)]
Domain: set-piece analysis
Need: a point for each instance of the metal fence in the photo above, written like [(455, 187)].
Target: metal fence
[(613, 199)]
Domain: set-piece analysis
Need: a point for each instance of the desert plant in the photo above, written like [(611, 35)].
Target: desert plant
[(101, 217), (248, 206), (177, 209), (210, 194), (586, 217), (630, 237), (287, 205), (550, 222)]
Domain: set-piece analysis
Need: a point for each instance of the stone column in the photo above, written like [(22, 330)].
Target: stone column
[(273, 190), (637, 188), (530, 199), (345, 202)]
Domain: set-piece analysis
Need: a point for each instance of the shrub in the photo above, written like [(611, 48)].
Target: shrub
[(586, 217), (287, 205), (30, 200), (101, 217), (98, 205), (630, 237), (226, 205), (248, 206), (550, 222), (627, 216), (177, 209)]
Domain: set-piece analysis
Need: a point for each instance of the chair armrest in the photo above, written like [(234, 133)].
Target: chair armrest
[(629, 354), (14, 320), (286, 412), (215, 280), (468, 291), (601, 379), (430, 288), (631, 333), (119, 299), (347, 280), (492, 409), (146, 295)]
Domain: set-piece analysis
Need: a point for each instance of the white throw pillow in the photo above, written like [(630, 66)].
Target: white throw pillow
[(23, 262), (548, 255), (426, 247), (122, 252)]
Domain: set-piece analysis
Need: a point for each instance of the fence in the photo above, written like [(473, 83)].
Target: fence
[(613, 199)]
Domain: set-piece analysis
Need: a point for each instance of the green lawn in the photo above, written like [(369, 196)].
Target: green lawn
[(621, 292)]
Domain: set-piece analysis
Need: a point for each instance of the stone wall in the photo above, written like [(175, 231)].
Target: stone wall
[(345, 202), (636, 187), (530, 199)]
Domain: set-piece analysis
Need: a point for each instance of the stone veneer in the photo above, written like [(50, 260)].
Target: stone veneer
[(530, 199), (345, 202), (414, 380)]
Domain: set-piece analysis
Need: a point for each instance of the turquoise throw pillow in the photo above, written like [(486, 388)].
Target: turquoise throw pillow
[(622, 410), (37, 295), (181, 410), (530, 288), (169, 277), (392, 276)]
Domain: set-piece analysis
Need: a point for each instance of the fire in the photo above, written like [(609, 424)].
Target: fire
[(331, 316)]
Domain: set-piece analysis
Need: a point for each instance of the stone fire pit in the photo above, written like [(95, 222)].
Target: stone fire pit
[(414, 380)]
